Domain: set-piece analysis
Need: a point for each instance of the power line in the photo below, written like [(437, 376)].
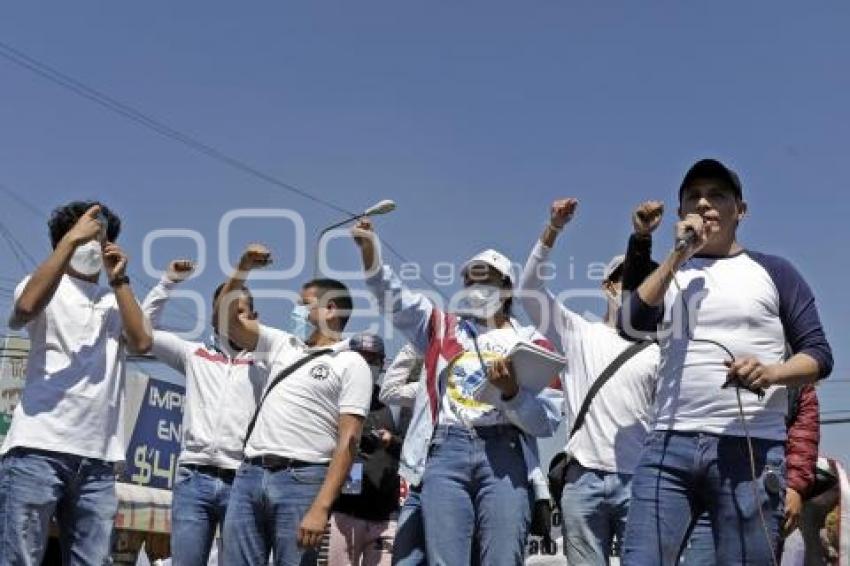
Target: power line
[(23, 202), (21, 59), (11, 243), (11, 237)]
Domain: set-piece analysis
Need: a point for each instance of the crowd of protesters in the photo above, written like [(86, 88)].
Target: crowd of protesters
[(691, 416)]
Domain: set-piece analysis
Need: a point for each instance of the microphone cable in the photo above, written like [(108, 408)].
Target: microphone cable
[(738, 387)]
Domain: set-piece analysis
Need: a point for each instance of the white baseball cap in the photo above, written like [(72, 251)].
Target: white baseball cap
[(493, 259)]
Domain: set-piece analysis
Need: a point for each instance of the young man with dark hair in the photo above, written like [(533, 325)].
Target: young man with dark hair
[(223, 387), (736, 327), (306, 433), (66, 436)]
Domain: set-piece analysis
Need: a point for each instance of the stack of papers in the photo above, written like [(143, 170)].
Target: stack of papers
[(534, 366)]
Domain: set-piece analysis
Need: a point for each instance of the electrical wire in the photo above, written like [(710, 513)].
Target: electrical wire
[(23, 202), (98, 97), (52, 74), (15, 249)]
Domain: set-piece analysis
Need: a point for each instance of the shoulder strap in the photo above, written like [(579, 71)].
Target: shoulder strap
[(632, 350), (284, 373)]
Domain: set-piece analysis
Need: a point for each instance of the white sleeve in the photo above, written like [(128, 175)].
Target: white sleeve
[(356, 395), (171, 350), (397, 388), (271, 343), (551, 318), (19, 289), (154, 303)]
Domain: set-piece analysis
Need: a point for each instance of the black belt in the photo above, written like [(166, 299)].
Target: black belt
[(220, 473), (276, 463)]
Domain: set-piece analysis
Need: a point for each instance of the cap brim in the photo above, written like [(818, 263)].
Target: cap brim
[(711, 169), (466, 267)]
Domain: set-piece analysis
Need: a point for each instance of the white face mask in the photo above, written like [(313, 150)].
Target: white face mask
[(479, 301), (87, 259)]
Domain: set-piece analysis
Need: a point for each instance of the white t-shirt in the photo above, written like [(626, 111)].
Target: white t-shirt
[(460, 406), (73, 399), (620, 414), (300, 417)]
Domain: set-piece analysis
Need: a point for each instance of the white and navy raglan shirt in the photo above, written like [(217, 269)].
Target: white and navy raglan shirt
[(754, 304)]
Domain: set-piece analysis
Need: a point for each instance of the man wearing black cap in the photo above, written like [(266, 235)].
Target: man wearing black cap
[(724, 315)]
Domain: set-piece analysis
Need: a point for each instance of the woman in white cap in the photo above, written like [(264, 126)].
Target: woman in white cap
[(464, 447)]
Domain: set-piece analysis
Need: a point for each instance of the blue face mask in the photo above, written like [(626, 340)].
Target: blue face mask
[(300, 325)]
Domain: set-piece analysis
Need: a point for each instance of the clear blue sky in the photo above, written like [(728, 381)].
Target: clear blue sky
[(473, 116)]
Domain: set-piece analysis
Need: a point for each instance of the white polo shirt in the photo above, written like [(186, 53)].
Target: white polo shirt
[(73, 398), (223, 388), (300, 418)]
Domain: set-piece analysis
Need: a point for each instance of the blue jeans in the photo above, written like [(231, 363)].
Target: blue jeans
[(699, 550), (594, 506), (409, 543), (265, 512), (682, 475), (198, 507), (475, 485), (79, 492)]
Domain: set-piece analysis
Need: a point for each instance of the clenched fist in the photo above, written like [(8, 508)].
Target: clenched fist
[(647, 217), (255, 256), (180, 270), (562, 212)]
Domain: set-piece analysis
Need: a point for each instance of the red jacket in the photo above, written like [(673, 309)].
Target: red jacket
[(801, 448)]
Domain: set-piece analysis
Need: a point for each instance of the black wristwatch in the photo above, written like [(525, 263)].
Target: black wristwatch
[(118, 281)]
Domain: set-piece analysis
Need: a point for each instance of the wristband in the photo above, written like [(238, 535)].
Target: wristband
[(118, 281), (555, 228)]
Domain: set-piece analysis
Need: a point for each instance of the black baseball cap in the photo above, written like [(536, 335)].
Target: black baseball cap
[(711, 169)]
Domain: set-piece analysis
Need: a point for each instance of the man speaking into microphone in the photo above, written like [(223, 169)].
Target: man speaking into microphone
[(735, 327)]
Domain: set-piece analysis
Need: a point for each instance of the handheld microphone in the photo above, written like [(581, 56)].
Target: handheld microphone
[(686, 240)]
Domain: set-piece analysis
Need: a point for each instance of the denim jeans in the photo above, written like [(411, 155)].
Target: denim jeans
[(409, 543), (265, 512), (699, 550), (79, 492), (594, 506), (475, 485), (198, 507), (682, 475)]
